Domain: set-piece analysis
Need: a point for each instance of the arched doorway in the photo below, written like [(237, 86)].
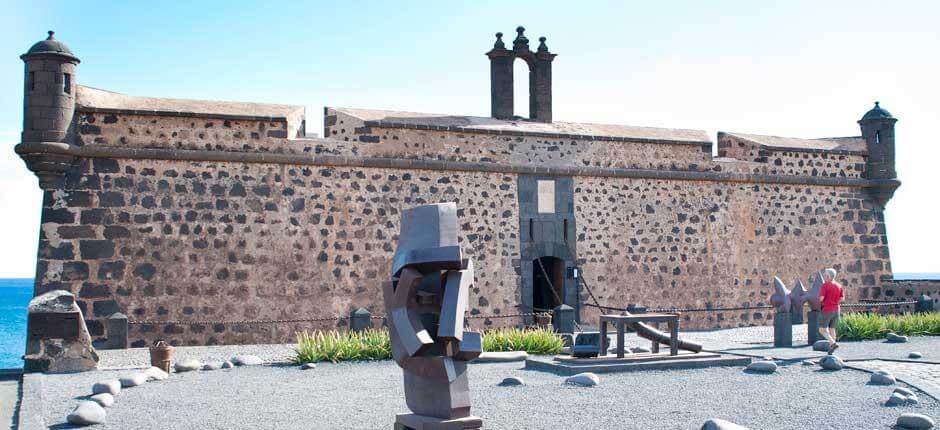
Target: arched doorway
[(548, 282)]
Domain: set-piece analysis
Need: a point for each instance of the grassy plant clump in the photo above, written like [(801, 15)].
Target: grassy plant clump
[(532, 340), (866, 325), (348, 346)]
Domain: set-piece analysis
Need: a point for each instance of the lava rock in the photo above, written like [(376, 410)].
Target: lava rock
[(56, 355), (308, 366), (586, 379), (720, 424), (821, 345), (511, 381), (762, 367), (896, 338), (831, 362), (915, 422), (87, 413), (111, 386), (885, 378), (915, 355), (156, 374), (187, 365), (133, 380), (103, 399), (212, 366), (640, 349), (247, 360)]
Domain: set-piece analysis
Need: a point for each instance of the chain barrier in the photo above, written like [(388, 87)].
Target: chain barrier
[(322, 319), (747, 308)]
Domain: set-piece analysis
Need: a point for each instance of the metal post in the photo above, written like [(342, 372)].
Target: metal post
[(116, 326), (783, 329), (563, 319), (812, 327), (360, 320)]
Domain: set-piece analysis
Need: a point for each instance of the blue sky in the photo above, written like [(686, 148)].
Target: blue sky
[(805, 69)]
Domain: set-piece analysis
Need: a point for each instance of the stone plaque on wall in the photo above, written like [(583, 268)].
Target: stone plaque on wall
[(546, 197)]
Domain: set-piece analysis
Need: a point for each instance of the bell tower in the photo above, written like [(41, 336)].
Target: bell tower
[(540, 77)]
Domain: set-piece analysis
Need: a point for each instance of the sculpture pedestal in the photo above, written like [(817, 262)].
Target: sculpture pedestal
[(812, 327), (783, 329), (797, 317), (424, 422)]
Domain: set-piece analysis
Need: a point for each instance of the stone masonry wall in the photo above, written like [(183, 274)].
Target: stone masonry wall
[(150, 131), (350, 136), (792, 162), (707, 244), (172, 240)]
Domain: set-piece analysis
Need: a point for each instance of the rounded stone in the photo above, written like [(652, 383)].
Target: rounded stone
[(882, 379), (187, 365), (133, 380), (308, 366), (831, 362), (501, 357), (720, 424), (821, 345), (904, 391), (896, 399), (156, 374), (762, 367), (586, 379), (808, 363), (247, 360), (640, 350), (87, 413), (915, 354), (511, 381), (111, 386), (896, 338), (227, 364), (212, 366), (103, 399), (915, 422)]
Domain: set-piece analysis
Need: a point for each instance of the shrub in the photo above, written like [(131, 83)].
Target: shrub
[(533, 341), (376, 345), (866, 325), (335, 346)]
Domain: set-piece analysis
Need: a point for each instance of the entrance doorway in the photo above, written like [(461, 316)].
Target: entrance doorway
[(548, 282)]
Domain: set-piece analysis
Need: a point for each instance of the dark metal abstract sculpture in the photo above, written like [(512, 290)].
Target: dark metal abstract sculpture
[(425, 303)]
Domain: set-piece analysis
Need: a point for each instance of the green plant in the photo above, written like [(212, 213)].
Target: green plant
[(348, 346), (866, 325), (533, 341)]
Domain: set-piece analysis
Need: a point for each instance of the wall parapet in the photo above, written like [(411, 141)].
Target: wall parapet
[(51, 148)]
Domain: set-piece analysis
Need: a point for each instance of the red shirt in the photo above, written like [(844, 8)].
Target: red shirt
[(831, 294)]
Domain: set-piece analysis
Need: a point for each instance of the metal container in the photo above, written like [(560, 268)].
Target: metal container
[(161, 355)]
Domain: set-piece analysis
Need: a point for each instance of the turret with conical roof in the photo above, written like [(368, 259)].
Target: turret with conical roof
[(878, 131), (48, 105), (49, 93)]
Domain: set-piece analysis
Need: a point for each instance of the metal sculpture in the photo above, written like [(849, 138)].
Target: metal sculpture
[(781, 296), (425, 303), (797, 301)]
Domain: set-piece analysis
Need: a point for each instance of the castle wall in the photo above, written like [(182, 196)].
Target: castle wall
[(194, 218), (352, 136), (205, 241), (709, 244)]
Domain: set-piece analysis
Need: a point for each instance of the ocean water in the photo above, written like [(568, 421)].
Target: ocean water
[(14, 297)]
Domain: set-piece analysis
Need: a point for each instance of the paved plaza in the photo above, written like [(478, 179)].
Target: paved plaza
[(367, 395)]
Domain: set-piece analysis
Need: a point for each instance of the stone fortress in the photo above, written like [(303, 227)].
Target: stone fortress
[(186, 210)]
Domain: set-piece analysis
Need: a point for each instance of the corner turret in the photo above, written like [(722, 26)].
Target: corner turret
[(48, 106), (878, 131)]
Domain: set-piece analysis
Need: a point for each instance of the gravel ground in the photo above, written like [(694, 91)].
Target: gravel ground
[(140, 357), (367, 395)]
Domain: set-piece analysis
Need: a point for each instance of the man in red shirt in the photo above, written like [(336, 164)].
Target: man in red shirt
[(830, 295)]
